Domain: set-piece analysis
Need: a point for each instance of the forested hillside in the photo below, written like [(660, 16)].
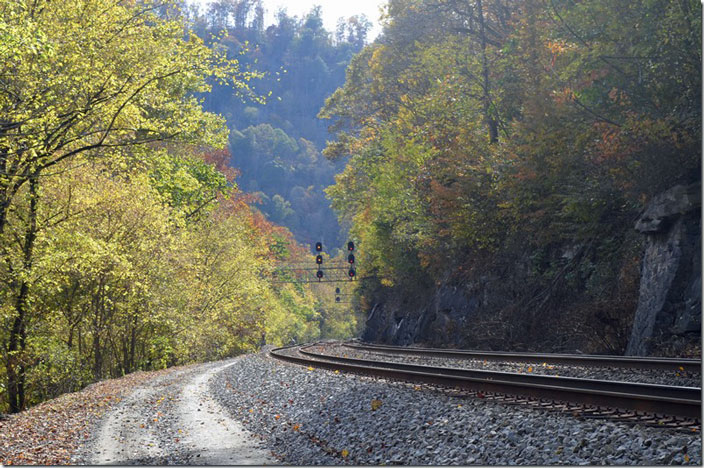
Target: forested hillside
[(493, 159), (126, 242), (276, 145), (501, 152)]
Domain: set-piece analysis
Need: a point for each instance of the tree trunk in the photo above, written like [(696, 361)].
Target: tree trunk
[(97, 352), (97, 325), (124, 343), (72, 320), (4, 208), (15, 365), (133, 343)]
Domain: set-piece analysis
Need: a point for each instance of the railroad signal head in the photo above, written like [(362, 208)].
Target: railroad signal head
[(350, 259), (319, 259), (351, 273), (319, 274), (337, 290), (350, 246), (318, 246), (337, 299)]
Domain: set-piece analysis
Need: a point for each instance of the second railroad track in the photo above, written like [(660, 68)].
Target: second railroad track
[(663, 404)]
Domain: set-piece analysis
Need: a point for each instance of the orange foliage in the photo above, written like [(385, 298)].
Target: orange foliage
[(220, 159), (611, 144)]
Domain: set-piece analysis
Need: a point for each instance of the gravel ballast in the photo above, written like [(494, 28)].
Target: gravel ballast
[(312, 416)]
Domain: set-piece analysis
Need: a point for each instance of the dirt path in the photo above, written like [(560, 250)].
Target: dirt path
[(173, 420)]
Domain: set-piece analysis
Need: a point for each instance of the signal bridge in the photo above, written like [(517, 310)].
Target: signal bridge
[(305, 273)]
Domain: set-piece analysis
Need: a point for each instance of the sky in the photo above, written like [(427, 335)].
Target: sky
[(331, 11)]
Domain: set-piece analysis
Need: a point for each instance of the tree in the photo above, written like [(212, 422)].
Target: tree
[(486, 134), (146, 267), (113, 77)]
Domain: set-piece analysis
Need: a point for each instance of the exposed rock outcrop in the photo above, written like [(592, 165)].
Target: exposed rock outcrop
[(668, 207), (567, 296), (669, 305), (436, 315)]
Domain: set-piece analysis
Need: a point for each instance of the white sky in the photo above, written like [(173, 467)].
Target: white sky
[(331, 11)]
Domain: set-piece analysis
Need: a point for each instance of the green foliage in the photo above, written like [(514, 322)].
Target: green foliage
[(125, 241), (57, 368), (113, 76), (128, 280), (188, 183)]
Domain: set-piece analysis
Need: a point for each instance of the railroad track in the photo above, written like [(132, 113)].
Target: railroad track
[(651, 404), (672, 364)]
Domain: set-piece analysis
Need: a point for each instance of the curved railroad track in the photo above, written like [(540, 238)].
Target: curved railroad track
[(633, 362), (652, 404)]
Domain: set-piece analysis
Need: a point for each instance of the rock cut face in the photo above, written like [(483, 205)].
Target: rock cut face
[(669, 302), (667, 207)]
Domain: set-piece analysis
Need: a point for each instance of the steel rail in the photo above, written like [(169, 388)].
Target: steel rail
[(649, 398), (309, 268), (601, 360), (314, 281)]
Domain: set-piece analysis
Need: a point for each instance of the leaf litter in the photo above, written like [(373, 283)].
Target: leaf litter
[(51, 432)]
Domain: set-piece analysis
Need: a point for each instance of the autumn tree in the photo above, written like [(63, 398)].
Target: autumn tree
[(80, 79), (492, 136)]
